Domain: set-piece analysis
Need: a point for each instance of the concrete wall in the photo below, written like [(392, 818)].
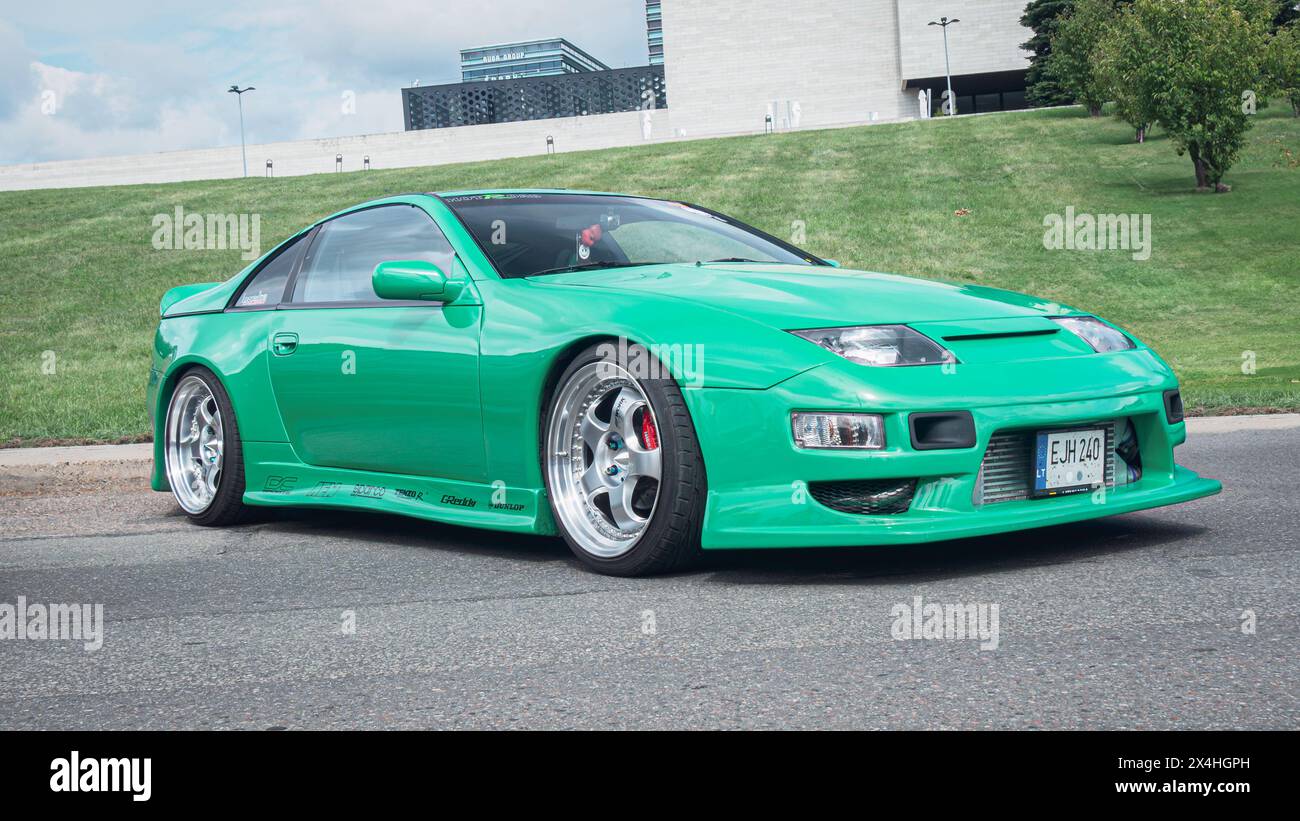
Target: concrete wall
[(814, 63), (987, 39), (809, 62), (395, 150)]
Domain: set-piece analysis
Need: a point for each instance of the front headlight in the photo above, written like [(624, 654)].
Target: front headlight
[(879, 345), (1100, 336)]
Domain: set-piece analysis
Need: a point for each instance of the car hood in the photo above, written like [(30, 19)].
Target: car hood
[(798, 296)]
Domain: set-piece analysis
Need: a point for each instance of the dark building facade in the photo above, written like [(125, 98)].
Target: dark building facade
[(534, 98), (977, 93)]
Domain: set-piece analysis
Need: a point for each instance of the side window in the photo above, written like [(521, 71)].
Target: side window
[(343, 257), (267, 285)]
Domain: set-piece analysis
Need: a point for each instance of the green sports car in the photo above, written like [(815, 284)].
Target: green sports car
[(647, 379)]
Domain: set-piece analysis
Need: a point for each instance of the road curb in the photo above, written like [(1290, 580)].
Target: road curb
[(20, 460), (74, 455), (42, 470)]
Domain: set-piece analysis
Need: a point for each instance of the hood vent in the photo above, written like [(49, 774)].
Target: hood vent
[(1000, 335), (998, 341)]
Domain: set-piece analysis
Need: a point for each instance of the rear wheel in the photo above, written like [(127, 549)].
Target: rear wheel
[(203, 455), (623, 469)]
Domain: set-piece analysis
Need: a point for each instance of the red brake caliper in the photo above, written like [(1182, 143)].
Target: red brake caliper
[(649, 439)]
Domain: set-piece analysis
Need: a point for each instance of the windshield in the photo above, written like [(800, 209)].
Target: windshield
[(531, 234)]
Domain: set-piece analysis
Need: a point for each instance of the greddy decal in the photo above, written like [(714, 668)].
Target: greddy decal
[(459, 501)]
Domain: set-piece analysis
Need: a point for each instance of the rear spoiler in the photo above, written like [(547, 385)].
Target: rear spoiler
[(180, 292)]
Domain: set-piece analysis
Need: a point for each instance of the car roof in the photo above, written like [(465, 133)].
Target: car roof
[(394, 199), (479, 191)]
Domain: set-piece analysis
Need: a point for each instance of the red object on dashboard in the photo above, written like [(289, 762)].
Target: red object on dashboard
[(591, 236)]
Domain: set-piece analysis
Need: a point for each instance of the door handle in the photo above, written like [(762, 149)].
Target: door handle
[(283, 344)]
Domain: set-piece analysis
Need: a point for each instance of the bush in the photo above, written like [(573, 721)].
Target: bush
[(1284, 64), (1195, 67)]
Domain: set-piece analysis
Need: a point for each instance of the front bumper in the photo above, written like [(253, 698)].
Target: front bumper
[(758, 480)]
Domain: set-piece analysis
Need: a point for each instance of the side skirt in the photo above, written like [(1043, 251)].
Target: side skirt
[(275, 478)]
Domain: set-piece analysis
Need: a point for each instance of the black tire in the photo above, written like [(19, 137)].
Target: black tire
[(227, 506), (671, 540)]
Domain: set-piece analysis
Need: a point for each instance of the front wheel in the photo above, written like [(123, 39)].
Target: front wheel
[(624, 473), (203, 455)]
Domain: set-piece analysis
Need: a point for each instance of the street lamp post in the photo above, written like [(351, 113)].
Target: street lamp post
[(944, 22), (239, 94)]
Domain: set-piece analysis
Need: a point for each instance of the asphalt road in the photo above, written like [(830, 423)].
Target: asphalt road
[(1129, 622)]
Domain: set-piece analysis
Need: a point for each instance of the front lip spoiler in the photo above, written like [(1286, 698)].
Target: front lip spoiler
[(915, 527)]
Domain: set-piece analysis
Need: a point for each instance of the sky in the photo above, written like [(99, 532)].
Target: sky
[(97, 78)]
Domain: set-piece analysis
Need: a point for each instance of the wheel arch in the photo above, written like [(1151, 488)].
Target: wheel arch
[(559, 361), (563, 356), (166, 387)]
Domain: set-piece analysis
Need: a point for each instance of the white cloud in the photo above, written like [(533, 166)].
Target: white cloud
[(16, 82), (130, 78), (70, 114)]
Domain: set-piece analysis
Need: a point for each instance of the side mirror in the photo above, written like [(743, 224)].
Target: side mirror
[(414, 279), (834, 263)]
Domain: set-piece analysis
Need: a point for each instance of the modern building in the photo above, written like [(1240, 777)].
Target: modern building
[(534, 58), (534, 98), (654, 31), (745, 66), (817, 63)]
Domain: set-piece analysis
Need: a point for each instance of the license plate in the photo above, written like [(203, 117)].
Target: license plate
[(1069, 461)]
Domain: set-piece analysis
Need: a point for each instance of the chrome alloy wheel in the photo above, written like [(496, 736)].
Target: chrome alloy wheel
[(603, 459), (194, 445)]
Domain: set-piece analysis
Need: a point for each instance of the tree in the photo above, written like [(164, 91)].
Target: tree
[(1284, 64), (1074, 46), (1131, 109), (1191, 66), (1042, 17), (1287, 12)]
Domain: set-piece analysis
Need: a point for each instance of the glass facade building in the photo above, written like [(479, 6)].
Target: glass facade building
[(574, 94), (654, 31), (534, 58)]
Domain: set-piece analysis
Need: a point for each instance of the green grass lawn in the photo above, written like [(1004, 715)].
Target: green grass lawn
[(79, 275)]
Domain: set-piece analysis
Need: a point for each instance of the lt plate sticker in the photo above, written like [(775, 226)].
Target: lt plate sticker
[(1070, 461)]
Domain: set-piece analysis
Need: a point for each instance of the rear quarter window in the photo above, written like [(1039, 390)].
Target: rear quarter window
[(266, 287)]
